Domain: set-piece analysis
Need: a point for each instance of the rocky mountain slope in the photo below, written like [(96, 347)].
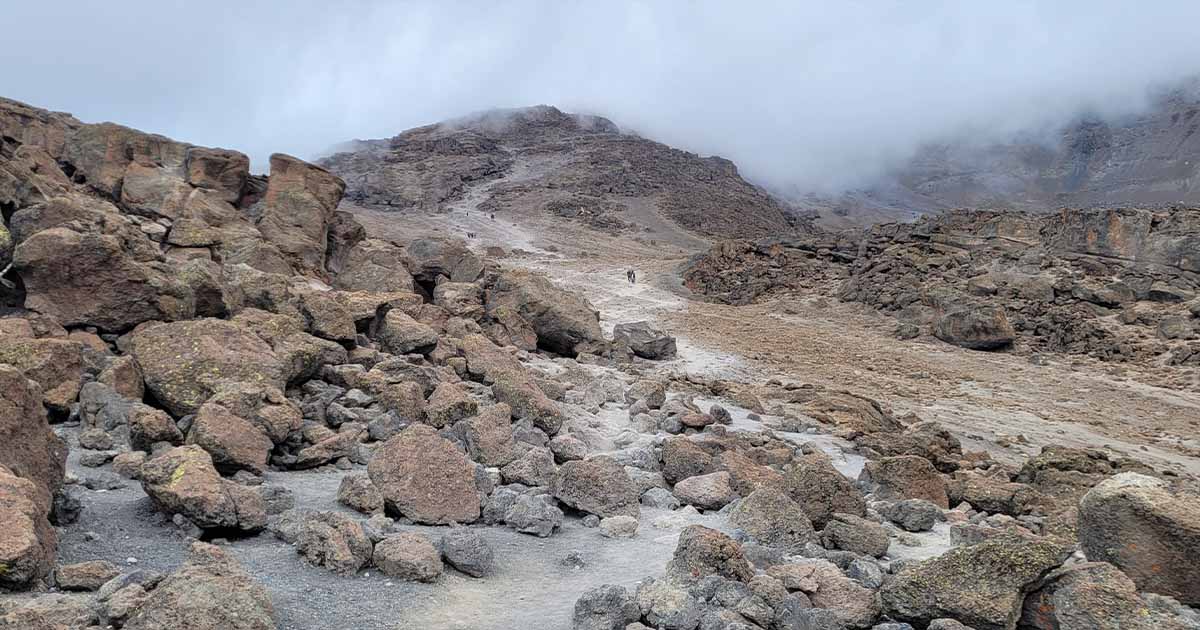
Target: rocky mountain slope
[(225, 403), (1145, 160), (583, 168), (1115, 284)]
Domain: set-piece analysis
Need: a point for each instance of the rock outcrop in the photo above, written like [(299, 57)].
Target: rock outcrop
[(1081, 281), (1152, 534)]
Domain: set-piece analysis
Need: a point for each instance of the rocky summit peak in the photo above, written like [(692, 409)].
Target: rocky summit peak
[(527, 125), (550, 161)]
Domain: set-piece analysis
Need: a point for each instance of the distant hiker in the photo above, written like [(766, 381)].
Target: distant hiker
[(631, 276), (493, 216)]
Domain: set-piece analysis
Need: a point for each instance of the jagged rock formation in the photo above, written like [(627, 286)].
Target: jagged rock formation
[(586, 169), (1119, 283), (203, 323)]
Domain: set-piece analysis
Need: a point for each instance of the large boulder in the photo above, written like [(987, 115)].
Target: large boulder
[(327, 315), (234, 442), (374, 265), (401, 334), (148, 426), (424, 477), (820, 490), (448, 404), (702, 552), (334, 541), (850, 414), (852, 533), (185, 363), (489, 436), (408, 556), (460, 299), (264, 406), (301, 354), (6, 246), (28, 448), (433, 258), (666, 603), (358, 493), (563, 321), (535, 467), (27, 541), (1092, 596), (982, 585), (707, 492), (598, 485), (837, 600), (32, 461), (913, 515), (924, 439), (1137, 523), (645, 340), (85, 576), (683, 458), (745, 475), (56, 365), (468, 551), (221, 171), (606, 607), (298, 210), (210, 591), (345, 232), (976, 328), (904, 477), (770, 517), (992, 493), (511, 383), (184, 481), (89, 278)]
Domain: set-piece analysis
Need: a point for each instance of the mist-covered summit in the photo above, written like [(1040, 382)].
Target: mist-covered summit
[(1148, 159), (543, 158)]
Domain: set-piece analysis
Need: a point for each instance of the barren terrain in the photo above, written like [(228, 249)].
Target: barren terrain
[(983, 397)]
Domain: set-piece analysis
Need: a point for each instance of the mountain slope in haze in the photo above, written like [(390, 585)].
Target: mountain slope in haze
[(1150, 159), (544, 159)]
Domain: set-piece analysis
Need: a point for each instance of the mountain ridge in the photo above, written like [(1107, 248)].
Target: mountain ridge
[(583, 163)]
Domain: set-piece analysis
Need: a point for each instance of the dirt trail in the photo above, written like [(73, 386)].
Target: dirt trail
[(984, 397)]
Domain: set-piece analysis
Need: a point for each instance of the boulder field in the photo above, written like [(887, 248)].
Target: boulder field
[(198, 350)]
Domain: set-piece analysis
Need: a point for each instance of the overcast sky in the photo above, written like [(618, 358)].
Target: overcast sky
[(803, 94)]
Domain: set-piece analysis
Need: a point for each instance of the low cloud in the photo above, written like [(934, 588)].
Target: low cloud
[(803, 95)]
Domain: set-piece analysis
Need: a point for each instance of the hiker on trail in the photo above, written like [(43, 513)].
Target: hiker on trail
[(632, 275)]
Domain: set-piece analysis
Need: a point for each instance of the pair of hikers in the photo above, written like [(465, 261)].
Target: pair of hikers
[(631, 275)]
